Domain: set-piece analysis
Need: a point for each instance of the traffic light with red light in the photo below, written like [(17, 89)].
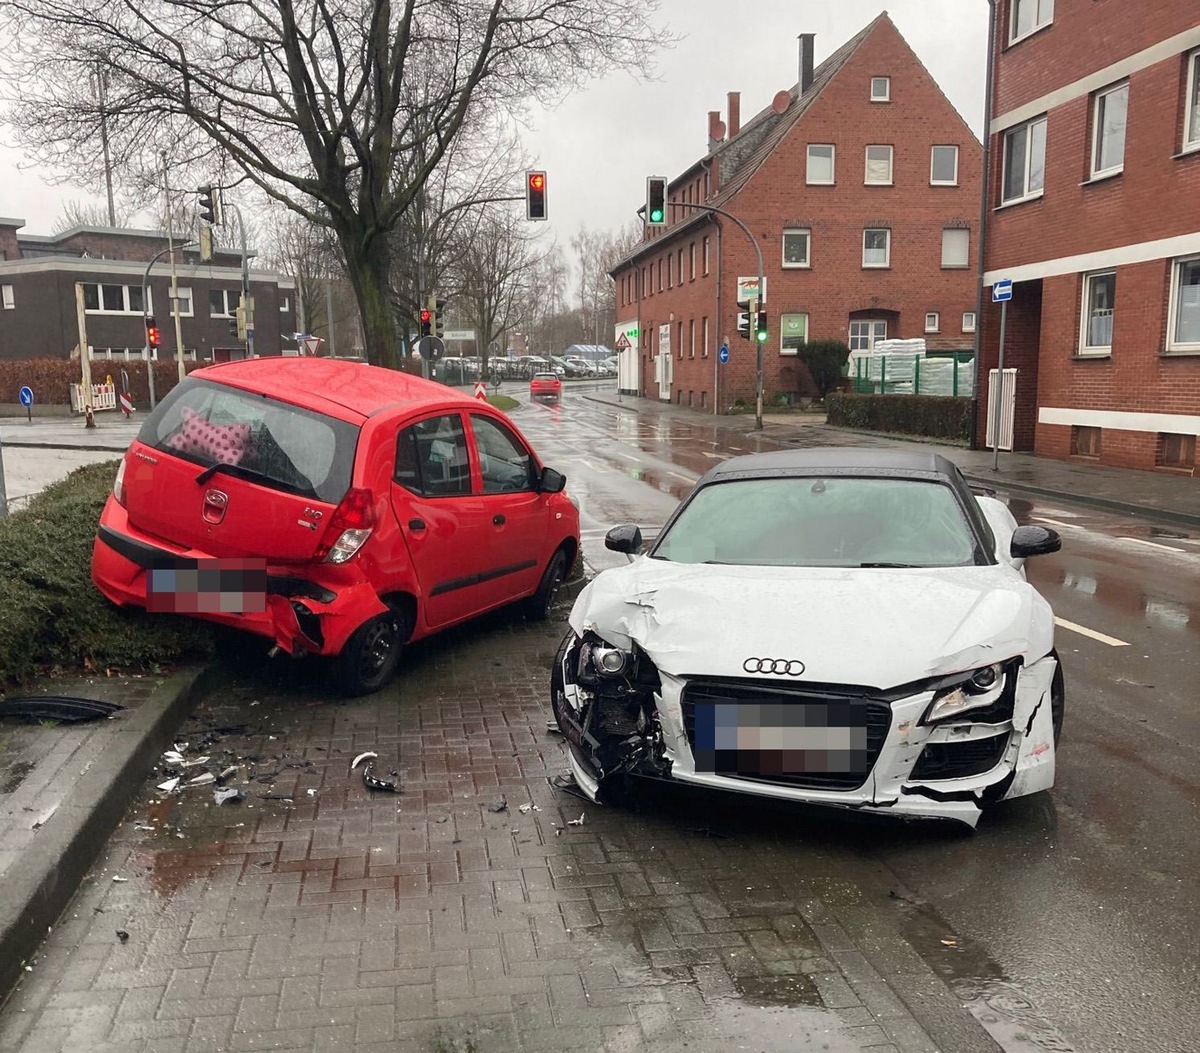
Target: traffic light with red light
[(535, 195), (151, 333), (426, 317)]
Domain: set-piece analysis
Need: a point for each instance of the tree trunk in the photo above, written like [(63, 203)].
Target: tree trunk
[(368, 266)]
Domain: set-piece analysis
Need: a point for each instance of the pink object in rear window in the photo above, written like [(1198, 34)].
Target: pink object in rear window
[(225, 443)]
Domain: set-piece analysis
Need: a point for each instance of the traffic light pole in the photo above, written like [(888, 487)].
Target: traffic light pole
[(174, 276), (245, 279), (146, 317), (758, 385)]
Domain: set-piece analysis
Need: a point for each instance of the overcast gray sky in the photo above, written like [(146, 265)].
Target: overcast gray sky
[(600, 144)]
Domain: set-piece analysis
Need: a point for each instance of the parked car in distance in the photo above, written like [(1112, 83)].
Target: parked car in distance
[(586, 367), (849, 628), (545, 386), (335, 509)]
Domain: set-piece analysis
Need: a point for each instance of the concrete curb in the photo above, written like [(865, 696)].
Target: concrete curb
[(39, 885)]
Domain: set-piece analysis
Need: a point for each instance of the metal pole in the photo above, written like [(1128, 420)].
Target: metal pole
[(147, 350), (84, 358), (329, 317), (3, 491), (985, 194), (999, 388), (246, 286), (753, 321), (717, 335), (174, 276), (100, 86)]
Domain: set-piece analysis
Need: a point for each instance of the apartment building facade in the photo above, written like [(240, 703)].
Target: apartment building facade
[(1094, 214), (860, 183)]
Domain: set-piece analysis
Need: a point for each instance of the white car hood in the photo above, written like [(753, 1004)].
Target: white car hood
[(877, 628)]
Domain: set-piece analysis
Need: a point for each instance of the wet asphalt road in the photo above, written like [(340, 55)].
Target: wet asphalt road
[(1076, 913), (1066, 922)]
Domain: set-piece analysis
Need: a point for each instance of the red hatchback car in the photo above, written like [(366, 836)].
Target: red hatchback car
[(335, 508), (545, 386)]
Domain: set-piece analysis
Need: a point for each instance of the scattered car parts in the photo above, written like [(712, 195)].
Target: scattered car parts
[(68, 709)]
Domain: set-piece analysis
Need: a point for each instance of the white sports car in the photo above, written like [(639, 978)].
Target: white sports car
[(843, 627)]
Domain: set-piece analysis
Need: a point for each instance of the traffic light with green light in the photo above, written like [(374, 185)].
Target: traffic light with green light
[(656, 201), (760, 328)]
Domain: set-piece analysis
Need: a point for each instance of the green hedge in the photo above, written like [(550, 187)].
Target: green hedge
[(933, 416), (52, 616)]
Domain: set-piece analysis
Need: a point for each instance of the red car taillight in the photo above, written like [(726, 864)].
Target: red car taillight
[(119, 484), (351, 525)]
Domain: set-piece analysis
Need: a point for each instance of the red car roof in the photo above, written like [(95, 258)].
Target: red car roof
[(319, 383)]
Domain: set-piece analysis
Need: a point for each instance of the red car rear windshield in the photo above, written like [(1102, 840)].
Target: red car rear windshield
[(550, 377), (264, 440)]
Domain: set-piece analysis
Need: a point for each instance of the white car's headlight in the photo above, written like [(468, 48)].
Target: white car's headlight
[(601, 660), (971, 691)]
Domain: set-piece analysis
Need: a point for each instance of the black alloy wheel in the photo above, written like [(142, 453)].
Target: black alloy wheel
[(371, 656)]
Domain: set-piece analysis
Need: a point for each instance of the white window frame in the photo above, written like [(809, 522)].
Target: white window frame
[(1087, 350), (1097, 106), (887, 249), (968, 322), (704, 326), (887, 89), (10, 301), (1025, 129), (1179, 347), (1014, 8), (807, 261), (691, 261), (791, 352), (231, 298), (692, 337), (1191, 104), (967, 256), (953, 181), (935, 325), (126, 310), (871, 336), (705, 253), (183, 292), (832, 165), (891, 163), (284, 303)]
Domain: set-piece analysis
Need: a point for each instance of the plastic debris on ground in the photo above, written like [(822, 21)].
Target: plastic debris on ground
[(228, 795), (370, 780), (499, 806)]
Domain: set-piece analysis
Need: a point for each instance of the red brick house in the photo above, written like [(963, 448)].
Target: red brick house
[(1094, 213), (861, 184)]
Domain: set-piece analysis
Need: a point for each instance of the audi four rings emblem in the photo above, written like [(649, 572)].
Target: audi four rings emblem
[(774, 666)]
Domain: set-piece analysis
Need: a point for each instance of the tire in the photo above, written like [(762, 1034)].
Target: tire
[(538, 606), (371, 655), (1058, 700)]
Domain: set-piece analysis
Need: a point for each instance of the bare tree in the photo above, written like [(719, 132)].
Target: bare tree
[(596, 254), (84, 214), (338, 110)]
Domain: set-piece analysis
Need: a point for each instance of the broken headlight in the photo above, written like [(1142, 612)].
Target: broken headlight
[(990, 687), (600, 660)]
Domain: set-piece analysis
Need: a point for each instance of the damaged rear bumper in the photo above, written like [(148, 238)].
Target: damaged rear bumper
[(303, 613)]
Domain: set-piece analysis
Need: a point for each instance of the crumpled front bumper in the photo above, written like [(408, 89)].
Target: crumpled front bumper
[(314, 611), (895, 785)]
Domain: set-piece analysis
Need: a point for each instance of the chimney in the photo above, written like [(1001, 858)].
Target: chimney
[(735, 113), (806, 61), (716, 129)]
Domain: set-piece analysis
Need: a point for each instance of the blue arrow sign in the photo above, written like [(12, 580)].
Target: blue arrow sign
[(1002, 290), (26, 396), (723, 354)]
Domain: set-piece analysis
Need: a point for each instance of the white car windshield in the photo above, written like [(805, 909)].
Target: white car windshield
[(821, 522)]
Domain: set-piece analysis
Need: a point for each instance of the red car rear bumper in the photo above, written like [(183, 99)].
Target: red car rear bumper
[(314, 608)]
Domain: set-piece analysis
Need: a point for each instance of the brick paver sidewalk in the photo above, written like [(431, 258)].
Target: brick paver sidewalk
[(478, 909)]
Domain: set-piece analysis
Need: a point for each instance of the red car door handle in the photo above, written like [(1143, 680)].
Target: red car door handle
[(498, 519), (416, 524)]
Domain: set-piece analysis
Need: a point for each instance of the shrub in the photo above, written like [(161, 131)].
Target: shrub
[(826, 362), (934, 416), (51, 615), (51, 378)]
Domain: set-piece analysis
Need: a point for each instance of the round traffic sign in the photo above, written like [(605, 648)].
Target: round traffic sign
[(26, 396), (723, 354)]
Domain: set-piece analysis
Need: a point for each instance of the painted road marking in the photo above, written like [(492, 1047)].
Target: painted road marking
[(1056, 522), (1152, 544), (717, 456), (1083, 630), (685, 478), (627, 456)]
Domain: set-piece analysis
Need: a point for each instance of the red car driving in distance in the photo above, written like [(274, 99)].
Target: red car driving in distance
[(334, 508), (545, 386)]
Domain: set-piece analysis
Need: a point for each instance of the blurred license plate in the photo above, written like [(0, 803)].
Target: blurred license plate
[(773, 739), (208, 586)]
